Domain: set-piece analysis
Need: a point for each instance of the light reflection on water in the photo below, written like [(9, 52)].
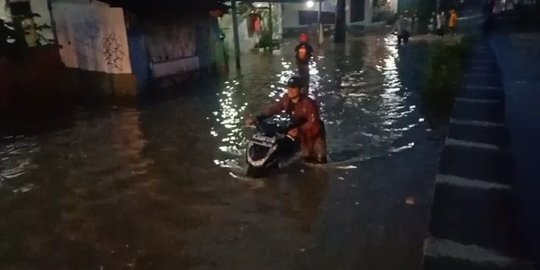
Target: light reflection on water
[(162, 185), (363, 101), (113, 145), (16, 159)]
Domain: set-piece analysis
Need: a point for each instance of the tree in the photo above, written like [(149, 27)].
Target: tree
[(22, 20), (16, 25)]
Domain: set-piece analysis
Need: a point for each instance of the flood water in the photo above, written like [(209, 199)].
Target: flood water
[(161, 185)]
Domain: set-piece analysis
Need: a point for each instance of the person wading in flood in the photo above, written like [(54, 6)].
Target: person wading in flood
[(452, 23), (441, 22), (304, 53), (306, 121), (403, 29)]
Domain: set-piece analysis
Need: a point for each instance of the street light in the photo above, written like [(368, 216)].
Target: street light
[(310, 4)]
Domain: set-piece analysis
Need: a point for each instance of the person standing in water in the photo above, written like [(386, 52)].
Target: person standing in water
[(403, 29), (304, 53), (433, 23), (452, 23), (303, 50), (441, 21)]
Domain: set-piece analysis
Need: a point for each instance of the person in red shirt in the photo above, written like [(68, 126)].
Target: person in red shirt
[(303, 50), (304, 53), (306, 125)]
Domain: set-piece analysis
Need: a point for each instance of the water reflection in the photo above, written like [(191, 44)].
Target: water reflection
[(16, 159), (161, 186), (362, 99)]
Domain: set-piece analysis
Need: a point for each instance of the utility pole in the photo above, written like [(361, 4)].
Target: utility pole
[(320, 10), (339, 36), (270, 24), (53, 23), (236, 38), (320, 28)]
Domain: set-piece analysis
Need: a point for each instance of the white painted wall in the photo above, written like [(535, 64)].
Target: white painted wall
[(93, 37), (4, 14)]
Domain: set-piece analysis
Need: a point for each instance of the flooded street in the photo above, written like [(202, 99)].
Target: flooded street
[(161, 185)]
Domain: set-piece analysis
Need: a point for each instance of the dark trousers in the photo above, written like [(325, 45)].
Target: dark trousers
[(314, 149), (287, 147), (440, 32), (404, 36)]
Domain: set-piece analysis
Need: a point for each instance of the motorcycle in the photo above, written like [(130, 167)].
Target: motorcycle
[(268, 146)]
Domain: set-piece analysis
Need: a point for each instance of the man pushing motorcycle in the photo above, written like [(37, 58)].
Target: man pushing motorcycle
[(306, 125)]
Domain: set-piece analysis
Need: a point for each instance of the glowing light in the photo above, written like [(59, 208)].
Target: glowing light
[(310, 4)]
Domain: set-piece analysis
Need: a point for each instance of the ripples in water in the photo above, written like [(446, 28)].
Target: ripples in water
[(16, 159), (169, 177), (364, 102)]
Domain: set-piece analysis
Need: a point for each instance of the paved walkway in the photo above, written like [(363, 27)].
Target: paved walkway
[(473, 216), (518, 55)]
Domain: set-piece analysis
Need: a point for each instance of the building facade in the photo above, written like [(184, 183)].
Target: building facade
[(302, 14)]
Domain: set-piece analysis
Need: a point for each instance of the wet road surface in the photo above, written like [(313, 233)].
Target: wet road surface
[(160, 185)]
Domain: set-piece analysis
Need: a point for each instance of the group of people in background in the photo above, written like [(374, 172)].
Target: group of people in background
[(440, 23)]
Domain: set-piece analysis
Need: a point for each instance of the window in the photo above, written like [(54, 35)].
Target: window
[(20, 8), (312, 17), (357, 10)]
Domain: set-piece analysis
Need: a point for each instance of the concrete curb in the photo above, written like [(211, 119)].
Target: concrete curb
[(472, 216)]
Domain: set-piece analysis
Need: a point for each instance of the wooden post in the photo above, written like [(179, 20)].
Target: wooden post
[(319, 25), (53, 23), (339, 36), (271, 25), (320, 10), (236, 38)]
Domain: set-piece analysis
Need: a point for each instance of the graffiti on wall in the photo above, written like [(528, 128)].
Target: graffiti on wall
[(93, 37), (112, 52)]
